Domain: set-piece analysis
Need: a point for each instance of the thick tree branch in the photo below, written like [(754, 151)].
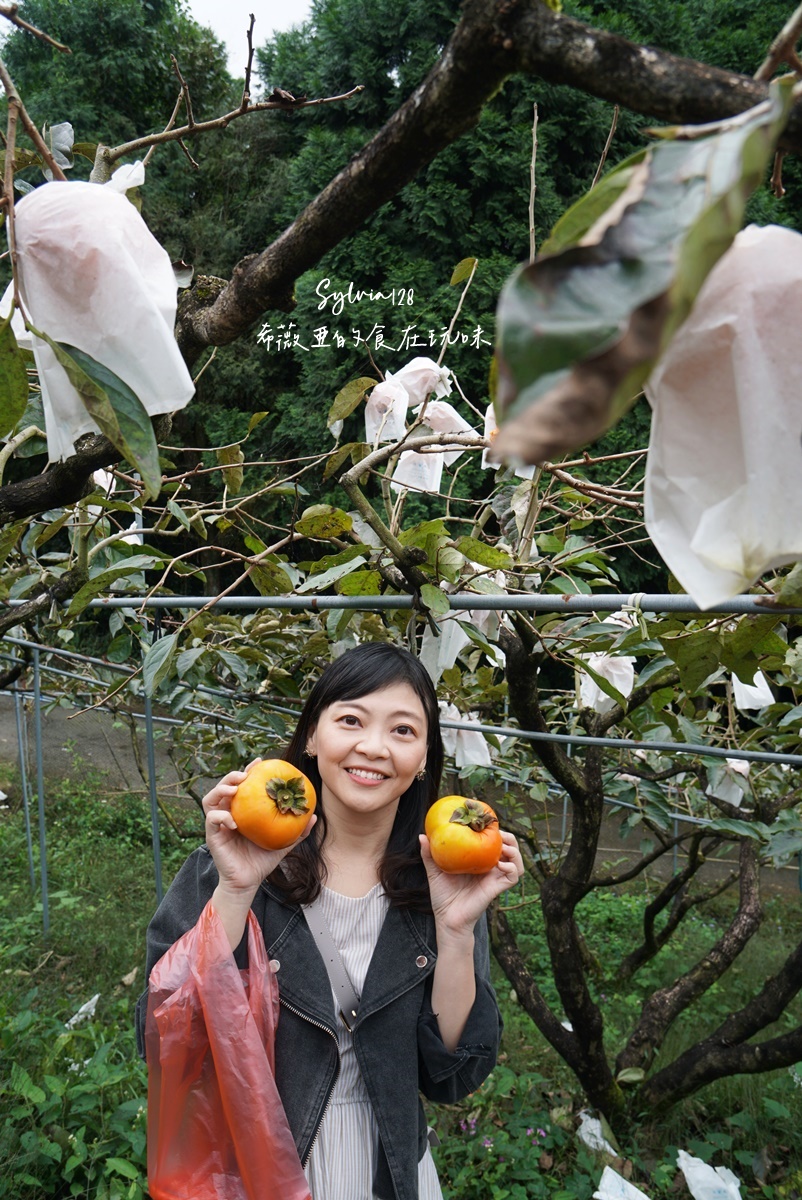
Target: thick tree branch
[(61, 589), (521, 671), (654, 940), (664, 1006), (65, 482), (530, 997), (707, 1062), (604, 721), (494, 39)]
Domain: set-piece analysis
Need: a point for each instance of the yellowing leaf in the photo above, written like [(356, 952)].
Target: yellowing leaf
[(349, 398)]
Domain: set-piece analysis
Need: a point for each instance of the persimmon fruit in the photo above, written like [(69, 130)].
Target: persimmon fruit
[(464, 836), (273, 804)]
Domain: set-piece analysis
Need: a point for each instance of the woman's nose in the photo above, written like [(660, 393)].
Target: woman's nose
[(372, 742)]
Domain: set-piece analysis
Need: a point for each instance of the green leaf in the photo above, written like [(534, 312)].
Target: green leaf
[(157, 661), (580, 217), (480, 552), (740, 829), (123, 1167), (13, 379), (51, 529), (237, 667), (317, 583), (270, 578), (23, 1085), (9, 538), (178, 513), (231, 459), (631, 1075), (117, 412), (435, 599), (349, 398), (360, 583), (86, 150), (256, 419), (102, 582), (696, 655), (463, 270), (187, 659), (418, 535), (580, 330), (323, 521), (120, 647), (337, 459)]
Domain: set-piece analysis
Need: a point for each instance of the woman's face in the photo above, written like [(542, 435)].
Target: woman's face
[(370, 749)]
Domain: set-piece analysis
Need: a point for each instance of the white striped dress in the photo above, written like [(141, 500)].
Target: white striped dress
[(341, 1164)]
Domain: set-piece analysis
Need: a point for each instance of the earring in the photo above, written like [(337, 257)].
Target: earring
[(421, 774), (309, 754)]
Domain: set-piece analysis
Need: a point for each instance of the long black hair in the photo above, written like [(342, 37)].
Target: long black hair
[(365, 669)]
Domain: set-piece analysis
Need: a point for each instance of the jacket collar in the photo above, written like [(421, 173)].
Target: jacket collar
[(404, 956)]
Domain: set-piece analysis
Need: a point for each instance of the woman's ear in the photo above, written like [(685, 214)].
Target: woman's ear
[(311, 745)]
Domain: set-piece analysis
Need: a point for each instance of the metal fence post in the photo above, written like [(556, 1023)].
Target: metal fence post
[(22, 746), (154, 797), (40, 787)]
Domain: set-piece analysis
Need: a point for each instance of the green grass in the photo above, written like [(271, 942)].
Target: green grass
[(72, 1103)]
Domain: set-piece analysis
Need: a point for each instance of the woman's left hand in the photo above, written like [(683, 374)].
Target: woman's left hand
[(458, 901)]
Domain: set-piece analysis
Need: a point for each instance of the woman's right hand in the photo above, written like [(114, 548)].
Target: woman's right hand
[(241, 864)]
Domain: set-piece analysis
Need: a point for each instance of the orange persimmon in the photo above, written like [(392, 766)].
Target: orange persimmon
[(273, 804), (464, 836)]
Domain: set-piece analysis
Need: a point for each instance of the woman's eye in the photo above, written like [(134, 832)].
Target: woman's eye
[(350, 719), (404, 730)]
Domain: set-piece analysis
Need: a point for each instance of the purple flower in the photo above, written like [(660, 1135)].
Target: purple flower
[(487, 1143)]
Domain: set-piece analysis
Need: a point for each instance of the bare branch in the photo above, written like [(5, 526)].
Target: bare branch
[(782, 47), (664, 1006), (185, 94), (246, 91), (10, 12), (28, 125), (112, 154), (606, 149)]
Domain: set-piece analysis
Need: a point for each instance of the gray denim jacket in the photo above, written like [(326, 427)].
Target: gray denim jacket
[(396, 1036)]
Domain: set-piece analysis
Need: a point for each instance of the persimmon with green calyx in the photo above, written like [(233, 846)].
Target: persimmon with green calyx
[(464, 836), (273, 804)]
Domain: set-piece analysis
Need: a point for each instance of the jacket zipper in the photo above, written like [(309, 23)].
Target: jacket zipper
[(327, 1101)]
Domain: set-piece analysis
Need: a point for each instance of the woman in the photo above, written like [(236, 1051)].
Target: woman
[(411, 937)]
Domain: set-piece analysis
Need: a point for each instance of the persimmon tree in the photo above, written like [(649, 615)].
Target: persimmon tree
[(71, 536)]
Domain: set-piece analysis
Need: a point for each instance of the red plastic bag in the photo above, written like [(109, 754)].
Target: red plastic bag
[(217, 1129)]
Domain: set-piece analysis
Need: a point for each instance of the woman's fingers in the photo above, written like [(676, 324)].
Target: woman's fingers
[(511, 863), (222, 793), (219, 818)]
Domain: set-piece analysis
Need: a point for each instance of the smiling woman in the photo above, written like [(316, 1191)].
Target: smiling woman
[(381, 959)]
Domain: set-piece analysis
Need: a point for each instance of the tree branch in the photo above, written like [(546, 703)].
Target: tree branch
[(708, 1061), (664, 1006), (61, 589), (604, 721), (10, 12), (65, 482)]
